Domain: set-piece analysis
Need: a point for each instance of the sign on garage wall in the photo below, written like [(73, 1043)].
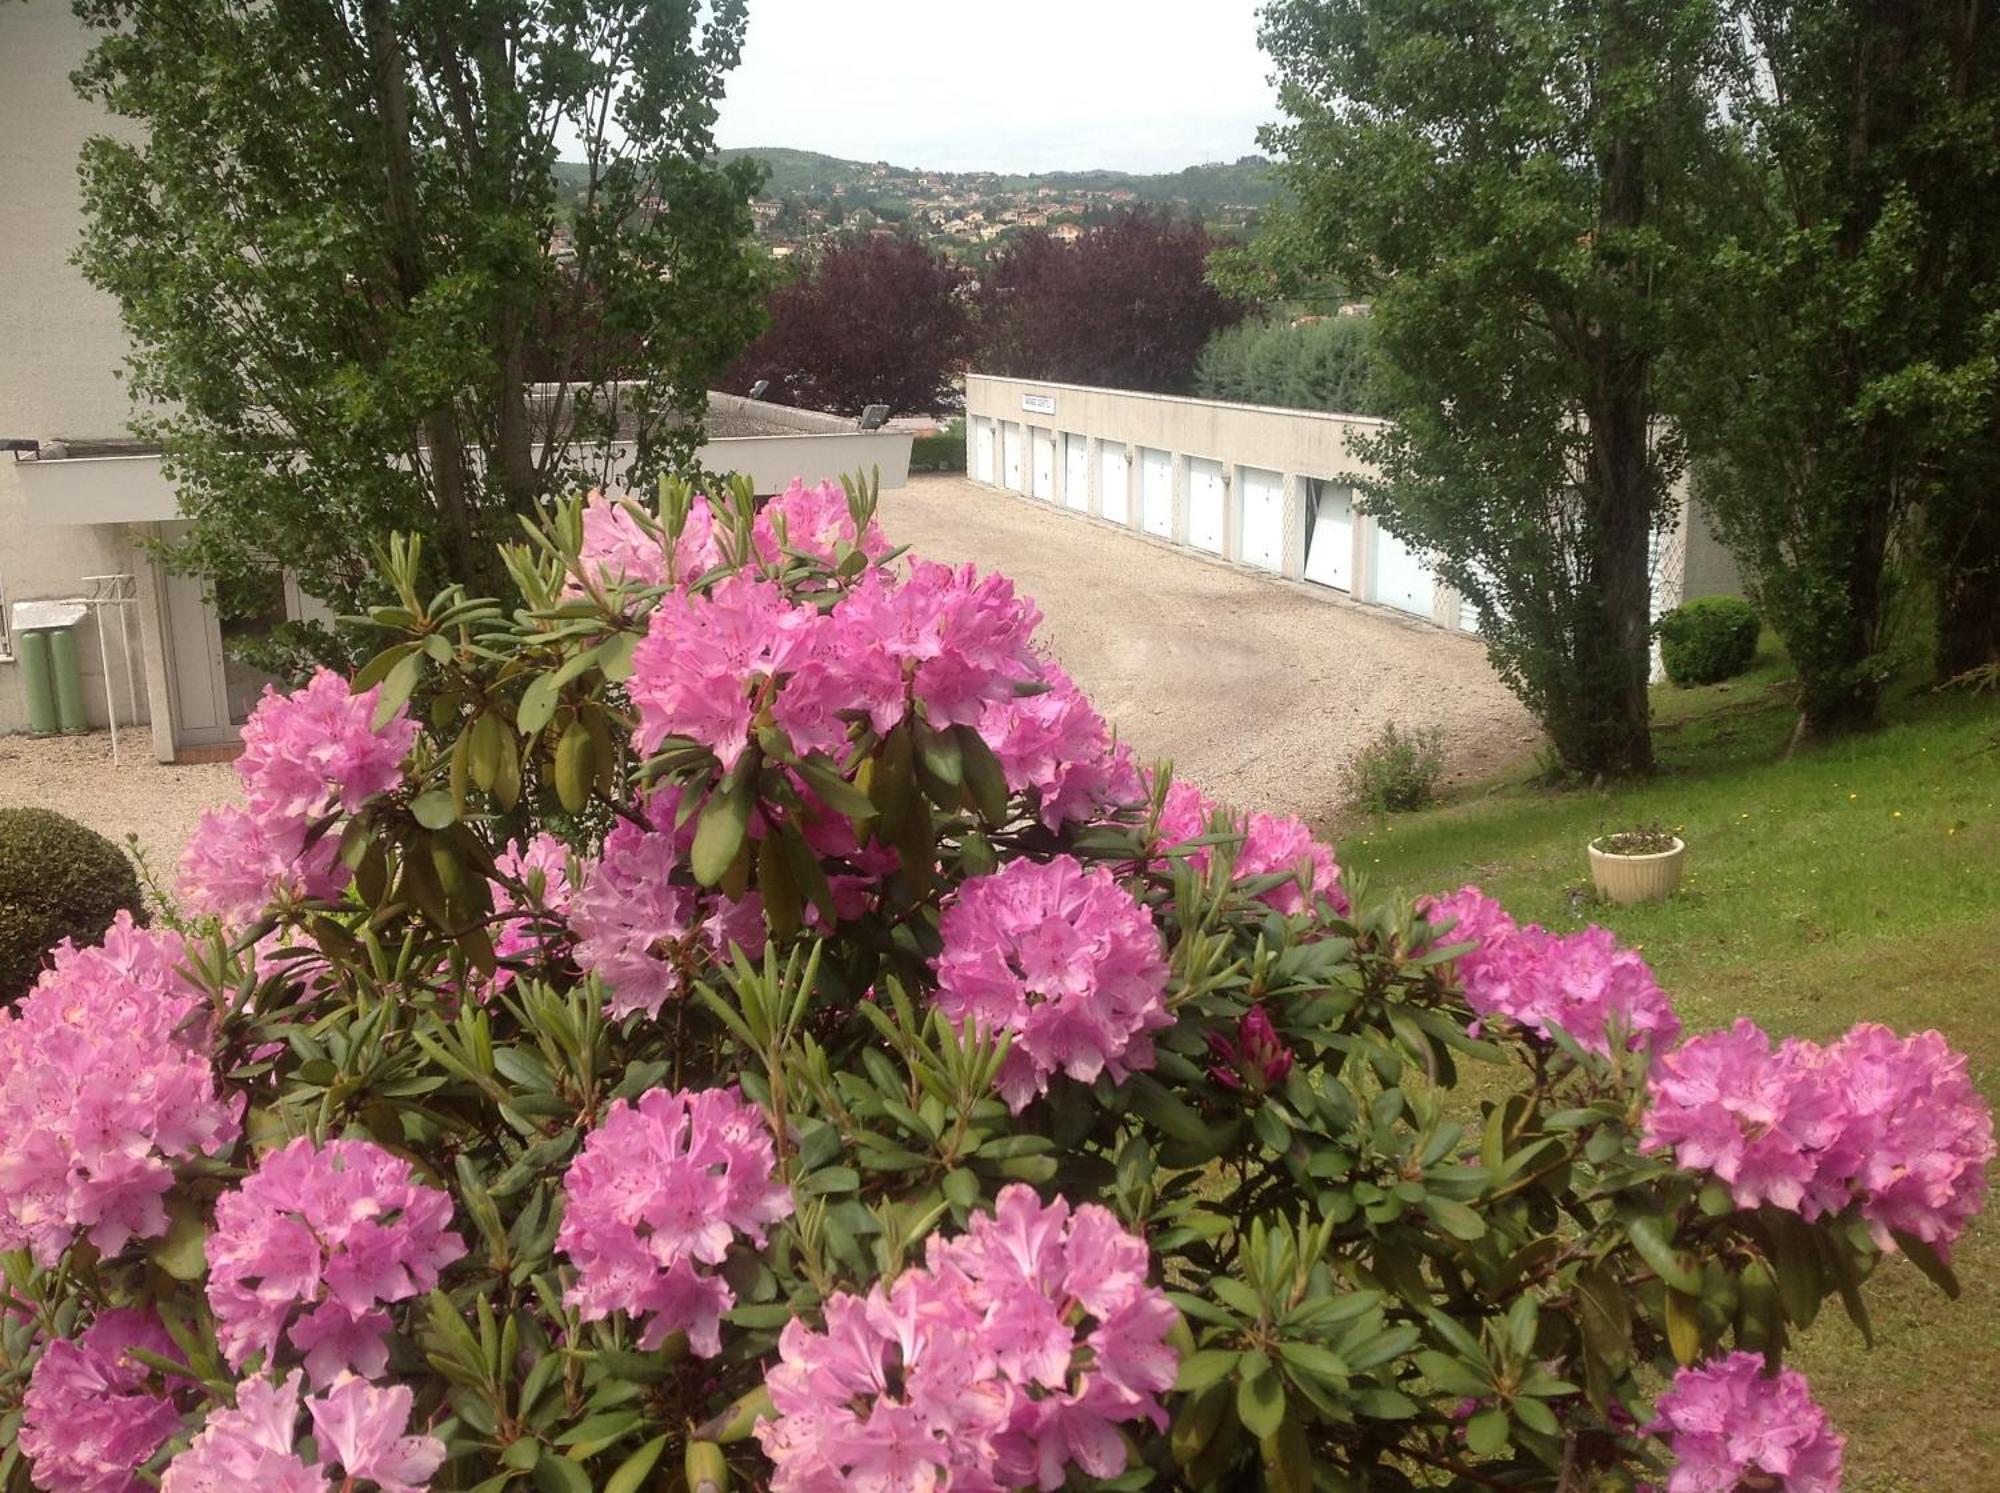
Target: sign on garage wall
[(1039, 404)]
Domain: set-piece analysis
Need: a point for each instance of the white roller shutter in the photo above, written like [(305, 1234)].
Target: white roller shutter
[(1206, 505), (1076, 473), (1261, 501), (1156, 492), (1114, 484)]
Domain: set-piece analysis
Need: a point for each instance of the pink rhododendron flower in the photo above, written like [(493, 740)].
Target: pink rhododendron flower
[(1016, 1352), (1917, 1138), (815, 521), (105, 1084), (1056, 746), (317, 747), (93, 1414), (707, 660), (1582, 982), (323, 1237), (1892, 1125), (1065, 960), (644, 927), (617, 550), (359, 1428), (661, 1189), (1266, 845), (961, 640), (237, 864), (533, 918), (1729, 1426)]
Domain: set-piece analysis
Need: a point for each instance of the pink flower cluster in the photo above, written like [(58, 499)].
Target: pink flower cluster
[(1891, 1124), (357, 1427), (1018, 1350), (712, 663), (1065, 960), (815, 521), (541, 868), (661, 1190), (106, 1084), (1582, 982), (304, 754), (1730, 1426), (618, 551), (1265, 845), (93, 1414), (1056, 746), (323, 1237), (642, 924)]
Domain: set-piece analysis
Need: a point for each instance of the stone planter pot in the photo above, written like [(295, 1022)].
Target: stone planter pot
[(1626, 879)]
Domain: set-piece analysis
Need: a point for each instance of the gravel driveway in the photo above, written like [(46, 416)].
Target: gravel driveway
[(1259, 690)]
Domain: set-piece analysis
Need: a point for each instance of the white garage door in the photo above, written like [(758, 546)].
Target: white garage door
[(1076, 472), (1402, 579), (1205, 505), (1045, 464), (1114, 484), (1156, 492), (1329, 533), (982, 450), (1261, 498), (1011, 456)]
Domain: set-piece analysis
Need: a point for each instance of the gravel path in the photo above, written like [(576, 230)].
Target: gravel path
[(73, 775), (1259, 690)]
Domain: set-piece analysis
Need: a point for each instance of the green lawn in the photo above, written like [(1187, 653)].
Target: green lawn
[(1853, 881)]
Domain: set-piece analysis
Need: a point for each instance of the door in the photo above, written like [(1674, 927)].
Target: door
[(1261, 499), (1329, 510), (1076, 473), (1045, 465), (1011, 458), (1206, 505), (1114, 484), (1402, 579), (1156, 492), (982, 450)]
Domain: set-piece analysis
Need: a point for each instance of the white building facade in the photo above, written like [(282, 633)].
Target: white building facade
[(1266, 488)]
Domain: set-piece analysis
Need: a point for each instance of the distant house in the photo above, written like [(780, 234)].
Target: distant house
[(1066, 233)]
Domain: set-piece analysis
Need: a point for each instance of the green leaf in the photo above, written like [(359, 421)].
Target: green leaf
[(435, 809), (1683, 1325), (1674, 1267), (1453, 1376), (538, 703), (183, 1250), (1288, 1459), (574, 767), (1928, 1260), (1454, 1217), (724, 823), (984, 777), (560, 1475), (1210, 1366), (835, 791), (631, 1473), (1487, 1432), (1260, 1396), (397, 686)]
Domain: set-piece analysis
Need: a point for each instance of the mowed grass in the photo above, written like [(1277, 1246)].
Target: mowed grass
[(1852, 881)]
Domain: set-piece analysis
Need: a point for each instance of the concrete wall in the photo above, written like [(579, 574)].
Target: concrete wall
[(61, 344)]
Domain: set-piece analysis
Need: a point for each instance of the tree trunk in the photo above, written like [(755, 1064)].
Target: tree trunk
[(1968, 635), (450, 480)]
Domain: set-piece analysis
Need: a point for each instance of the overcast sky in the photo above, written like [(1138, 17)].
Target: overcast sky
[(1004, 85)]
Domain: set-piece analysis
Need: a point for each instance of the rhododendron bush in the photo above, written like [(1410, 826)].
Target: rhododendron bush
[(739, 1014)]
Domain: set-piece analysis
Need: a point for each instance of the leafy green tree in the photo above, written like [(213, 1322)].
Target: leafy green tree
[(1508, 182), (335, 245), (1322, 363), (1848, 420)]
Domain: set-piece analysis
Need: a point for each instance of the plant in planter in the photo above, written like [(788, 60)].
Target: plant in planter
[(1637, 865), (738, 1015)]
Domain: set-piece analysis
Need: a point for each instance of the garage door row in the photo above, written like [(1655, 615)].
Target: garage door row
[(1294, 524)]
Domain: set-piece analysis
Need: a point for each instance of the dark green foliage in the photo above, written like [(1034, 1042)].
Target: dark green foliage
[(1511, 186), (57, 880), (344, 260), (1709, 639), (1397, 770), (1325, 363), (943, 452)]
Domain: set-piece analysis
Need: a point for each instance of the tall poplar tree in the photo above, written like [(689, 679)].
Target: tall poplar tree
[(1512, 183)]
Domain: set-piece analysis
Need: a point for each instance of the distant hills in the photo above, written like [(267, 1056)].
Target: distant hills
[(1248, 182)]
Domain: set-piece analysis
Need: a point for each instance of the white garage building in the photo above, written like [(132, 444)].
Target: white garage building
[(1251, 485)]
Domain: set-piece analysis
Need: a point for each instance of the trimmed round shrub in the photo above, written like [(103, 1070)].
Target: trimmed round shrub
[(1709, 639), (57, 880)]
